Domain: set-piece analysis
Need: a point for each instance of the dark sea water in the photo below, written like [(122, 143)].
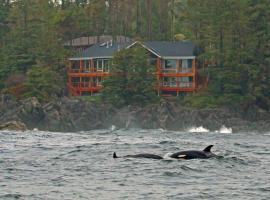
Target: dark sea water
[(46, 165)]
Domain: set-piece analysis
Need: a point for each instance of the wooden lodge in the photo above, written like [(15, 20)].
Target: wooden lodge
[(175, 67)]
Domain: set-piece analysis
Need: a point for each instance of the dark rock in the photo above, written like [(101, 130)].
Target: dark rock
[(13, 125), (71, 114)]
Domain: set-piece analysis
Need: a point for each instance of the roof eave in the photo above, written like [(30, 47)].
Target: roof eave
[(178, 57), (89, 58)]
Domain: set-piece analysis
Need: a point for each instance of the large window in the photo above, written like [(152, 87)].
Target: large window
[(169, 81), (185, 81), (106, 65), (170, 64), (86, 65), (186, 63), (101, 65)]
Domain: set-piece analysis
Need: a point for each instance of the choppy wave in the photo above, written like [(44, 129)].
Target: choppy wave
[(45, 165)]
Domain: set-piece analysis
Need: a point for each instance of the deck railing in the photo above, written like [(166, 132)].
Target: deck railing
[(87, 70), (86, 84), (178, 70), (177, 84)]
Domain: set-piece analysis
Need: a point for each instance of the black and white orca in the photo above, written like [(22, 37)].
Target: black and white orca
[(194, 154), (189, 154)]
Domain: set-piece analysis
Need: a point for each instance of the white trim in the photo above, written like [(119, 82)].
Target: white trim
[(132, 44), (152, 51), (143, 45), (179, 57), (89, 58)]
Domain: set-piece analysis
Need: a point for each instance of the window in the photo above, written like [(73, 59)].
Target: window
[(99, 80), (185, 81), (86, 65), (95, 63), (169, 81), (186, 63), (100, 65), (106, 65), (170, 64)]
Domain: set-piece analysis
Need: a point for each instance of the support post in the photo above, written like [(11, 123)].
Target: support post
[(194, 73), (158, 74), (92, 65)]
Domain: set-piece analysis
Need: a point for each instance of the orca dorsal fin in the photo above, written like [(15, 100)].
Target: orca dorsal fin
[(208, 148), (114, 155)]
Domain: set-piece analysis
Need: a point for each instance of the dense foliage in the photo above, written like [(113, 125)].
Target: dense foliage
[(132, 80), (233, 38)]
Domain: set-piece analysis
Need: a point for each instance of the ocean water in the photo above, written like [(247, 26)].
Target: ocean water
[(47, 165)]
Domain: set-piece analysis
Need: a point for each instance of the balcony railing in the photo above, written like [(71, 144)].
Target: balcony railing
[(87, 70), (86, 84), (177, 84), (178, 70)]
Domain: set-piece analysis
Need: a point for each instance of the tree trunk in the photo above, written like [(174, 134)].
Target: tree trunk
[(149, 19)]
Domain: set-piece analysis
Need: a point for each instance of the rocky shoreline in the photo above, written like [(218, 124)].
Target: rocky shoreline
[(71, 114)]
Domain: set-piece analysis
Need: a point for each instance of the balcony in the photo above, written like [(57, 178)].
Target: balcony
[(88, 72), (177, 72)]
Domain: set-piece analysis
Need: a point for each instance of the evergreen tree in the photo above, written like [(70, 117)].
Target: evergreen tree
[(132, 80)]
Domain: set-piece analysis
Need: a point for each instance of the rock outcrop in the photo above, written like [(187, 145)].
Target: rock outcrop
[(71, 114), (13, 125)]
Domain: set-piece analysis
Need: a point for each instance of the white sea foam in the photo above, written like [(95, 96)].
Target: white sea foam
[(199, 129), (167, 156), (224, 129), (113, 128)]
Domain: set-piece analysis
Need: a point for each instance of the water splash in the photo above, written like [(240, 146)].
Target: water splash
[(168, 156), (113, 128), (199, 129), (224, 129)]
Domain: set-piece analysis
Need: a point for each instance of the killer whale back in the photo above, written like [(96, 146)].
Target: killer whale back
[(190, 154), (143, 155)]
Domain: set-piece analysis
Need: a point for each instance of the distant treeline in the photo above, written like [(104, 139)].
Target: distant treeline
[(233, 39)]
